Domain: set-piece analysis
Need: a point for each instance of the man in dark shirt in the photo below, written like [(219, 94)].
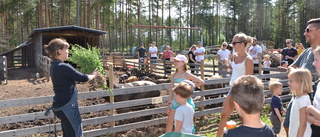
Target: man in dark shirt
[(141, 55), (289, 53)]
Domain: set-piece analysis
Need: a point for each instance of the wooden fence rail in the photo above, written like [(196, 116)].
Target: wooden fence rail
[(208, 69), (4, 104)]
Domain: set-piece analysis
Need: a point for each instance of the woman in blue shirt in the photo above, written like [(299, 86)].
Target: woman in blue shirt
[(64, 77)]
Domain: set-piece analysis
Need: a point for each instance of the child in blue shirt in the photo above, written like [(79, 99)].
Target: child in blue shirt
[(276, 105)]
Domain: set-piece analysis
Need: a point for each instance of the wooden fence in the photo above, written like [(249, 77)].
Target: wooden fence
[(39, 101), (3, 70), (202, 69)]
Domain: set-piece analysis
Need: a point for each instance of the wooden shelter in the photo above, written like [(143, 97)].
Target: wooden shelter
[(28, 54)]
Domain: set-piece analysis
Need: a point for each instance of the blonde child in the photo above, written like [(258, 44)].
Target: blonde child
[(184, 113), (300, 83), (276, 105), (266, 64), (181, 74)]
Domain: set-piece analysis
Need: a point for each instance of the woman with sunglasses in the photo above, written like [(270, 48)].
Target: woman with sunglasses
[(181, 74), (300, 48), (242, 64), (223, 57), (289, 53)]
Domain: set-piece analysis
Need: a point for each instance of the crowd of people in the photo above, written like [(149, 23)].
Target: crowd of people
[(302, 116)]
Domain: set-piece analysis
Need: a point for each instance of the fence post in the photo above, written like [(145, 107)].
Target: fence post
[(111, 86), (4, 68), (260, 66), (202, 87), (214, 67)]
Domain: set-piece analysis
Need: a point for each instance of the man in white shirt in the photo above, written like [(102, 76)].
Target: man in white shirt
[(153, 50), (199, 53), (255, 51)]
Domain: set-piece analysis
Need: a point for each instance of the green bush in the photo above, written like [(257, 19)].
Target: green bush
[(87, 60)]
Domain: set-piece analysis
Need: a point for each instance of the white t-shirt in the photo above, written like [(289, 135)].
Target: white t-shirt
[(263, 46), (266, 64), (224, 54), (153, 49), (254, 51), (200, 57), (185, 114), (316, 99), (297, 104)]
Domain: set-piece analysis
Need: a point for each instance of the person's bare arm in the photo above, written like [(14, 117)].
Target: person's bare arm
[(202, 53), (218, 57), (93, 75), (198, 82), (278, 114), (170, 94), (313, 115), (178, 126), (249, 66), (303, 122)]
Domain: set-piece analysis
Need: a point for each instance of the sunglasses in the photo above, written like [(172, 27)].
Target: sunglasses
[(307, 30), (224, 45), (288, 42), (234, 43)]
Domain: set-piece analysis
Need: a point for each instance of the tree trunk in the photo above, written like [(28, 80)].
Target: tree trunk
[(39, 14), (122, 25), (89, 14), (84, 24), (139, 39)]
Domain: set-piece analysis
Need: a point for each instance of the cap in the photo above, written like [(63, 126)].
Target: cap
[(181, 58), (191, 84), (199, 42)]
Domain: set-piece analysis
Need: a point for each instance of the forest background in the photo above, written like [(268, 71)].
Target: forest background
[(219, 20)]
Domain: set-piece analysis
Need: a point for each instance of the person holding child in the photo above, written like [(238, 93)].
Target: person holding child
[(223, 57), (181, 74), (184, 113), (64, 77), (276, 106), (242, 64), (166, 55), (247, 93), (300, 83)]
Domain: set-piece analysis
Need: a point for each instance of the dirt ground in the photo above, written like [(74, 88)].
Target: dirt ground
[(22, 84)]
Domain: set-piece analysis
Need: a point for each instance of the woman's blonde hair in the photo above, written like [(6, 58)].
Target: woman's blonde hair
[(247, 40), (193, 46), (223, 44), (299, 45), (304, 78), (317, 50)]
